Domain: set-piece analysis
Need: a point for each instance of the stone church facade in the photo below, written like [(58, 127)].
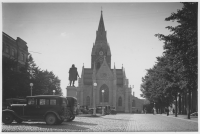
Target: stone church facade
[(113, 82)]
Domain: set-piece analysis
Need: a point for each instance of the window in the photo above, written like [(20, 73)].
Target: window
[(52, 101), (42, 101), (31, 101), (64, 102), (120, 101), (22, 56)]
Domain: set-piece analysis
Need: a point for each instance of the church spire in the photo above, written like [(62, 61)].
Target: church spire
[(101, 27), (101, 32)]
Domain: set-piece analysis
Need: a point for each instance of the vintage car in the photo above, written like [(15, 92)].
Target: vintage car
[(113, 110), (72, 107), (49, 108), (11, 101), (107, 110), (84, 110)]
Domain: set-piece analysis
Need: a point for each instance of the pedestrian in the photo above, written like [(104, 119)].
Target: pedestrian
[(145, 110), (154, 110), (167, 110)]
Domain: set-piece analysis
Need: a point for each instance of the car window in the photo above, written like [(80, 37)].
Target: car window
[(52, 101), (44, 101), (31, 101)]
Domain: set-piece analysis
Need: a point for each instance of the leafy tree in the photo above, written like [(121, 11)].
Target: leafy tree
[(44, 82), (182, 46), (176, 71), (17, 79)]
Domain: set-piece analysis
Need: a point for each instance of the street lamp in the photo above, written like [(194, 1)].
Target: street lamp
[(54, 92), (94, 103), (31, 84), (102, 102)]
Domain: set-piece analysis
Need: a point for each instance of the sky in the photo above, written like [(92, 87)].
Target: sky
[(61, 34)]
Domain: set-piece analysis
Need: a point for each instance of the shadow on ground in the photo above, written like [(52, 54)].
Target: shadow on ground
[(65, 126)]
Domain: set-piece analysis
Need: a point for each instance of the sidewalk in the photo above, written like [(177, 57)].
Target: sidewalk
[(184, 117)]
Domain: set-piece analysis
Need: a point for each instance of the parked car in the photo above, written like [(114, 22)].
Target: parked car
[(84, 110), (113, 110), (11, 101), (49, 108), (72, 107), (107, 110)]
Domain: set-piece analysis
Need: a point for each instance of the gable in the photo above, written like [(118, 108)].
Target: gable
[(104, 71)]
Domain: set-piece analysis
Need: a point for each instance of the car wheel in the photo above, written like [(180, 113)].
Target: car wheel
[(69, 115), (72, 117), (7, 118), (18, 120), (51, 119)]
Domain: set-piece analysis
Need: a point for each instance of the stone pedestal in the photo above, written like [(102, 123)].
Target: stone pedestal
[(71, 91)]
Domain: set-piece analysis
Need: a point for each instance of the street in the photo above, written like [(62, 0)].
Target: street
[(111, 123)]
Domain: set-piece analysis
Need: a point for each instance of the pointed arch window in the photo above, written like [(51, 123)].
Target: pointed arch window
[(120, 101), (104, 97)]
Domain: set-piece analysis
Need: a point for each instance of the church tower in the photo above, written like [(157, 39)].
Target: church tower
[(101, 47), (100, 85)]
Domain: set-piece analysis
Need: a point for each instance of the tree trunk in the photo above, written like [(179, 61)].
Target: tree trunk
[(189, 103), (176, 105)]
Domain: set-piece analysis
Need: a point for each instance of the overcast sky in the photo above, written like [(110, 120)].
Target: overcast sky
[(64, 33)]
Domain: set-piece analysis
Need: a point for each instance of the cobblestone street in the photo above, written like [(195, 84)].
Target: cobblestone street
[(111, 123)]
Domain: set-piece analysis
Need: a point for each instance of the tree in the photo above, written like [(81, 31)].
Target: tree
[(17, 79), (44, 82), (182, 46)]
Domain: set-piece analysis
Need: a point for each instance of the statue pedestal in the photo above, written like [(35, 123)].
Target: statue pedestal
[(71, 91)]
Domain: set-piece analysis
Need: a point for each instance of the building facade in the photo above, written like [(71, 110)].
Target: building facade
[(100, 82), (14, 49)]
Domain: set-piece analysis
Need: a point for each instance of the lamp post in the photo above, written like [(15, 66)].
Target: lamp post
[(102, 102), (94, 102), (54, 92), (31, 84)]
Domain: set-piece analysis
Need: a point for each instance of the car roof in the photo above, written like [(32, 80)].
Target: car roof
[(71, 97), (15, 99), (46, 96)]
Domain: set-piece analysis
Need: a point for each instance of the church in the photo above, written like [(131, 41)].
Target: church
[(101, 84)]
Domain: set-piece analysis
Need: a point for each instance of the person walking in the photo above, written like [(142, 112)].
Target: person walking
[(145, 111), (167, 110), (154, 110)]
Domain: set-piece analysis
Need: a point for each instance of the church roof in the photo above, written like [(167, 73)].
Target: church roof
[(87, 76)]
